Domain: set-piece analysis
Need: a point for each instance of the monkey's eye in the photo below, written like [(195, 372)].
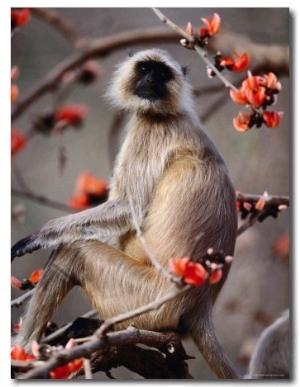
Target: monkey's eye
[(143, 68)]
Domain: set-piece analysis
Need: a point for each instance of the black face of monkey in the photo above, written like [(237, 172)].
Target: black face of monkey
[(152, 78)]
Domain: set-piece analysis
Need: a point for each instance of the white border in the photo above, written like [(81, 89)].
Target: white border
[(5, 145)]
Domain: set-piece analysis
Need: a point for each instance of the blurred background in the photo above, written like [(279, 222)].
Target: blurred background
[(258, 288)]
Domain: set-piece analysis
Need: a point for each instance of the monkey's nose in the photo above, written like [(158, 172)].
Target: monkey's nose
[(150, 78)]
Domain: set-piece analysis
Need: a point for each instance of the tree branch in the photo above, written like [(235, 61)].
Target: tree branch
[(41, 200), (166, 343), (63, 26), (93, 48)]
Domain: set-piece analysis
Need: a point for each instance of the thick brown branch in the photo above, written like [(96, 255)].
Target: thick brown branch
[(131, 336), (93, 48)]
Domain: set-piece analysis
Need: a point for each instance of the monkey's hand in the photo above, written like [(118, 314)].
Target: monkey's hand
[(99, 223), (25, 245)]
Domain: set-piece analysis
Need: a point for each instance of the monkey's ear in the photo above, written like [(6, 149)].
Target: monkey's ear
[(184, 70), (130, 52)]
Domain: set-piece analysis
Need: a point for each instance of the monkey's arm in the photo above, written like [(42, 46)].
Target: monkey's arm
[(111, 218)]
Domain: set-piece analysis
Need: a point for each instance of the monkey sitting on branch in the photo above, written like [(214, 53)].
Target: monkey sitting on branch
[(172, 175)]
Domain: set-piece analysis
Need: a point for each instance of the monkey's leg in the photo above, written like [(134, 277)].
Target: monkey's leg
[(113, 281), (58, 279)]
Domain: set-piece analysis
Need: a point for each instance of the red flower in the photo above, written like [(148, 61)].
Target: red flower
[(87, 186), (213, 26), (27, 283), (90, 184), (15, 283), (20, 17), (14, 73), (36, 276), (193, 273), (64, 371), (14, 93), (17, 327), (79, 201), (256, 98), (73, 114), (19, 353), (272, 119), (270, 81), (241, 122), (14, 90), (257, 91), (18, 141), (281, 247), (240, 63)]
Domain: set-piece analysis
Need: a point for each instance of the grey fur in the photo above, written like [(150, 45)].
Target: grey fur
[(270, 359), (180, 189)]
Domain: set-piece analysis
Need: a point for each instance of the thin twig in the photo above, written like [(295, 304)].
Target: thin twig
[(154, 305), (41, 200), (87, 369), (270, 199), (199, 50), (249, 223), (147, 248), (60, 331), (19, 301), (209, 63), (174, 26)]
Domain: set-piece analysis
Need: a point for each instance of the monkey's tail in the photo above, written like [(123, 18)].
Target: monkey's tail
[(213, 352), (54, 285)]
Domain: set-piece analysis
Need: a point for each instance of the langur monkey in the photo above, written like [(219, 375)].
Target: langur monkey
[(171, 173), (270, 359)]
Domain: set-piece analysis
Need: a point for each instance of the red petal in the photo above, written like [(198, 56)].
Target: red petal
[(241, 63), (79, 202), (36, 276), (88, 183), (18, 141), (238, 97), (189, 29), (272, 119), (17, 284), (215, 276), (241, 122), (195, 274), (215, 23), (20, 17), (178, 267), (72, 113), (18, 353), (60, 373)]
